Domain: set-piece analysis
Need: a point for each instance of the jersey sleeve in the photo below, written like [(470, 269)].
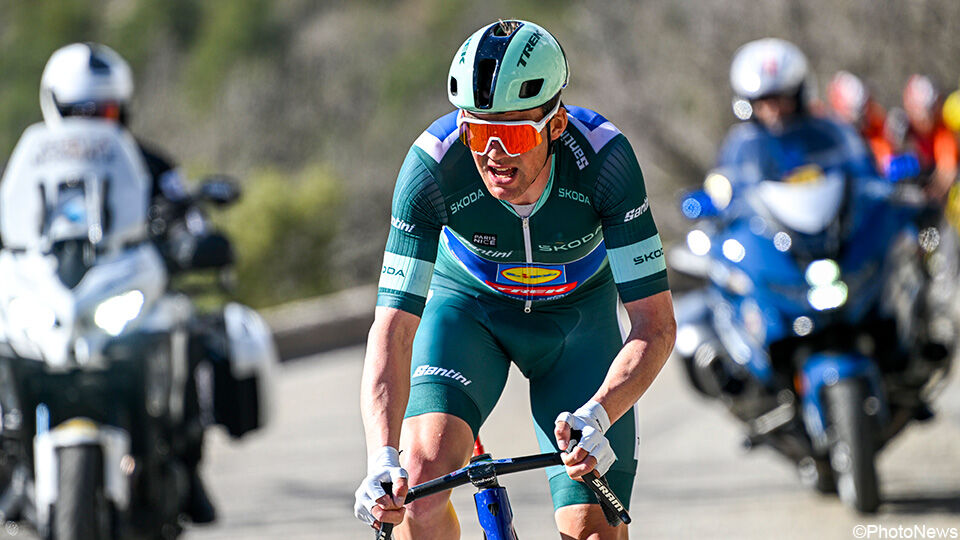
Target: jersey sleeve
[(415, 223), (630, 234)]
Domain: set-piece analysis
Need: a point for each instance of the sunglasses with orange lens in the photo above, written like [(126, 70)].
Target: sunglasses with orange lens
[(515, 137)]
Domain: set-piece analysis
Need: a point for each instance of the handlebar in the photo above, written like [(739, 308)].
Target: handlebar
[(483, 473)]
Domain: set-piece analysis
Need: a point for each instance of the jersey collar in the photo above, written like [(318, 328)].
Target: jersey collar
[(543, 196)]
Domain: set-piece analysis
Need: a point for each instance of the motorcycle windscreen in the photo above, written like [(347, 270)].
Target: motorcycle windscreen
[(84, 179), (68, 217), (808, 207)]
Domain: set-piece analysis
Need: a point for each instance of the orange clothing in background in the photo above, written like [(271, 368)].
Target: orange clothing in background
[(935, 150), (872, 131)]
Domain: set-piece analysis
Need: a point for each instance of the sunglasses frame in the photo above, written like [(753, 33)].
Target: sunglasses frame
[(538, 126)]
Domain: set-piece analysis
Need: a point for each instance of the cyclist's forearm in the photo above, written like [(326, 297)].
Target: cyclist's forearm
[(644, 353), (385, 385)]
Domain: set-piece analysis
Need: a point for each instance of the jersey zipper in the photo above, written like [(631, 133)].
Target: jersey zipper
[(528, 249)]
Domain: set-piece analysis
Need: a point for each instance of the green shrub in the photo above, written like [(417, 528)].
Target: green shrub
[(231, 31), (281, 231), (30, 32)]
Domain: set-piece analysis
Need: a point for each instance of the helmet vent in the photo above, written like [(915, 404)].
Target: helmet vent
[(453, 86), (486, 70), (506, 28), (530, 88), (98, 64)]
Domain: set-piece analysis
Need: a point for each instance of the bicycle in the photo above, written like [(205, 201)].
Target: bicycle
[(493, 505)]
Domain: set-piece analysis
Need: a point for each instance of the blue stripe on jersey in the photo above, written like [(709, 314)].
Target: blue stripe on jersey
[(591, 119), (443, 126), (527, 281)]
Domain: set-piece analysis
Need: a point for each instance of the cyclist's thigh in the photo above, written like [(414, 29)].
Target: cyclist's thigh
[(457, 367), (593, 340)]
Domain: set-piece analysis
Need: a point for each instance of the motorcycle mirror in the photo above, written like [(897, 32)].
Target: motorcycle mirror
[(902, 167), (220, 190), (697, 204)]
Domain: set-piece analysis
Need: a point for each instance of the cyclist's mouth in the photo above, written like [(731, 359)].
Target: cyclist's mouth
[(502, 175)]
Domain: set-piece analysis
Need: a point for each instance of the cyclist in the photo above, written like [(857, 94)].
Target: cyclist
[(516, 221), (90, 80), (782, 137), (853, 103), (934, 144)]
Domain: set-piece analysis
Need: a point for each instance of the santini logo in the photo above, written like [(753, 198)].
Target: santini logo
[(637, 212), (401, 224), (434, 370)]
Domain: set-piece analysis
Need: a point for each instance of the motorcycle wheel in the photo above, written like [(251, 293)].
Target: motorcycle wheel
[(853, 452), (82, 511)]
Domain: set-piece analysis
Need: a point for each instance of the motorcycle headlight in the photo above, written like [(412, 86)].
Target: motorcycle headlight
[(827, 291), (825, 297), (698, 242), (822, 272), (113, 314)]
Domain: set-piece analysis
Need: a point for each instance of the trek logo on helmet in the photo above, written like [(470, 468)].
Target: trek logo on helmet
[(463, 52), (528, 48)]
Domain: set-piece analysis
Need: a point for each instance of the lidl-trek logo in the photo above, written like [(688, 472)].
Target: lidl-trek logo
[(531, 275), (524, 281)]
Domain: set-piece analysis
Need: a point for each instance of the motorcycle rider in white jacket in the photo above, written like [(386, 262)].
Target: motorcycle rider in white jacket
[(92, 80)]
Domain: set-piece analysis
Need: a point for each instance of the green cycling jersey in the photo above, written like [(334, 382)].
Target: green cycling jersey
[(591, 225)]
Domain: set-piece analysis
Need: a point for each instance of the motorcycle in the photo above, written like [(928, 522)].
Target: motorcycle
[(808, 327), (97, 353)]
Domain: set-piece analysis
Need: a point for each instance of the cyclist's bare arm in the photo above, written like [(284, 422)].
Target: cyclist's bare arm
[(385, 385), (652, 335), (651, 338)]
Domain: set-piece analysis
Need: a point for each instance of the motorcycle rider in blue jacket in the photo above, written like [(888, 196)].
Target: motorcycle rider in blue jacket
[(772, 84)]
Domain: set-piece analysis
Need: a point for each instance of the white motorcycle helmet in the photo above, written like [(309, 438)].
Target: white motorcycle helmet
[(768, 67), (85, 79)]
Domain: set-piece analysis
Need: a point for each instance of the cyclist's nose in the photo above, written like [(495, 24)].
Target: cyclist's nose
[(495, 149)]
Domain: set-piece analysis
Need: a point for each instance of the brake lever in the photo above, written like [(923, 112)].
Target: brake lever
[(386, 529), (613, 508)]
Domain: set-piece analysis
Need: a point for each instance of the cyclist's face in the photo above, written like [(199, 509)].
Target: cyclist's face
[(509, 178)]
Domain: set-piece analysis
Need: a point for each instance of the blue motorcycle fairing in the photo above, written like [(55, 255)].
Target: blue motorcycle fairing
[(824, 369), (495, 514), (779, 285)]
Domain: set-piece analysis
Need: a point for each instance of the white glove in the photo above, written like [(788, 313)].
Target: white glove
[(382, 466), (592, 421)]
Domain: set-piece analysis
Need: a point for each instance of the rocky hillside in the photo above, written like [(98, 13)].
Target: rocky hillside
[(314, 104)]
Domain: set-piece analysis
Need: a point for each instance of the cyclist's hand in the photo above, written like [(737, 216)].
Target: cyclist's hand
[(373, 503), (593, 450)]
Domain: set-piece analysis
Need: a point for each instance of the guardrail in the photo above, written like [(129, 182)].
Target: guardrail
[(322, 323)]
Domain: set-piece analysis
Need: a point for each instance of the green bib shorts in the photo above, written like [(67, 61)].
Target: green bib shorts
[(462, 354)]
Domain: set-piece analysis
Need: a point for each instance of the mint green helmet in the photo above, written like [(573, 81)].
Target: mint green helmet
[(507, 66)]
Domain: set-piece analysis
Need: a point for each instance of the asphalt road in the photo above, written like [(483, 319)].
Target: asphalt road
[(296, 479)]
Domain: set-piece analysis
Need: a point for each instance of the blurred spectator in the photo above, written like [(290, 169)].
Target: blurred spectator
[(851, 102), (951, 111), (927, 136)]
